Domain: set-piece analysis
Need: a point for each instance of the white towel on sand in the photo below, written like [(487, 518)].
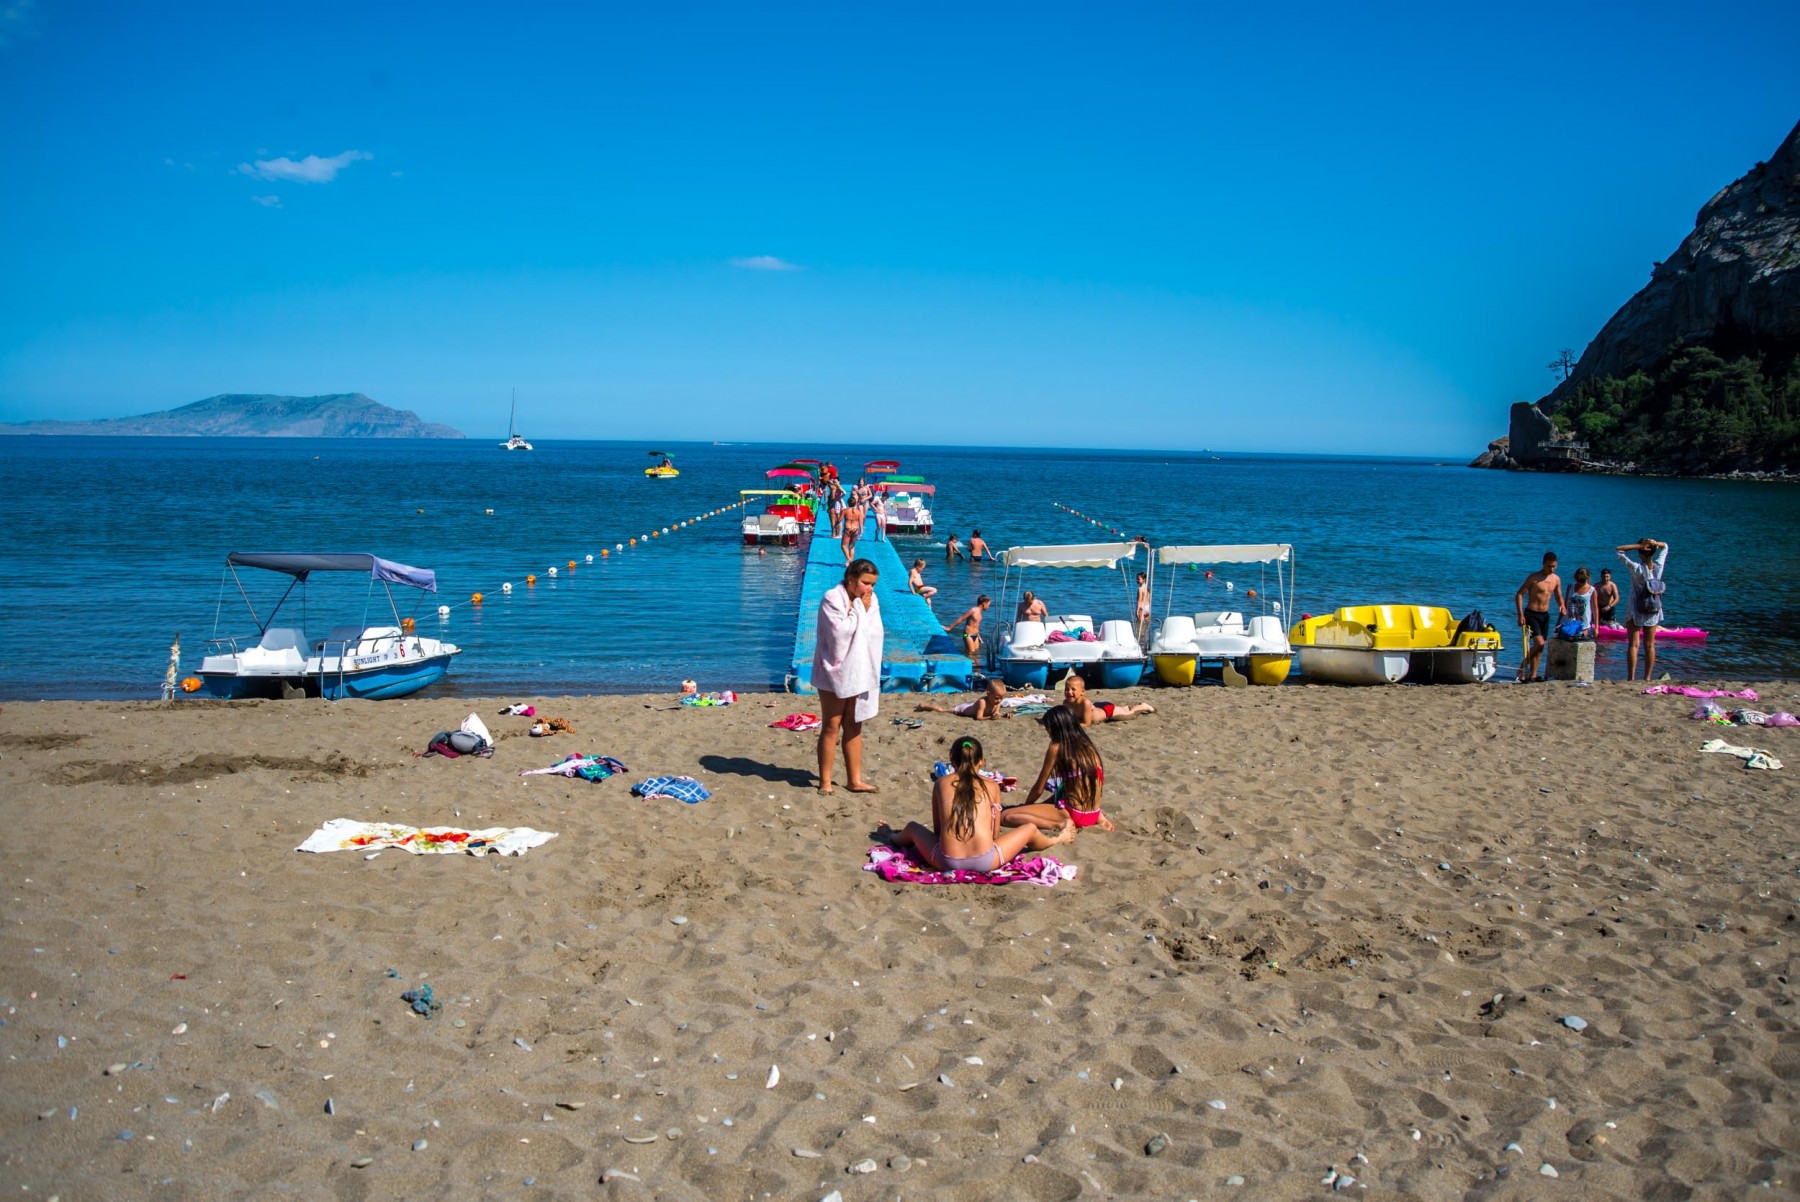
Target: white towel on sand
[(847, 650), (347, 834)]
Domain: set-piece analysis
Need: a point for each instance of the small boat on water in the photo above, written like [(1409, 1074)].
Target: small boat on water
[(906, 502), (779, 522), (1255, 647), (1034, 654), (363, 660), (514, 441), (662, 471), (1385, 644)]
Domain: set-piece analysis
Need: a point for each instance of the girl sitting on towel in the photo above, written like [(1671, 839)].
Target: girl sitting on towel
[(1072, 779), (965, 833)]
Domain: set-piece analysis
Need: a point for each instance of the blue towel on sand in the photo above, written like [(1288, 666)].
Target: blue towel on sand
[(682, 788)]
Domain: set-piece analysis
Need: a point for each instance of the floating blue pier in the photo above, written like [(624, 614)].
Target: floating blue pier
[(917, 656)]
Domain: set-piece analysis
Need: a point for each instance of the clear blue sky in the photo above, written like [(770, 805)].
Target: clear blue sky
[(1336, 227)]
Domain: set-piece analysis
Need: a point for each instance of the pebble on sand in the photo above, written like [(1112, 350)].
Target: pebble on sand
[(1574, 1022), (865, 1165), (1159, 1143), (1548, 1170), (774, 1077)]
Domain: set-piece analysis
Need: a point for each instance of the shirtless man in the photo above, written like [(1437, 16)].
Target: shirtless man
[(970, 621), (1143, 607), (1533, 601), (1609, 597), (952, 549), (1031, 609), (978, 548), (984, 708), (1075, 700)]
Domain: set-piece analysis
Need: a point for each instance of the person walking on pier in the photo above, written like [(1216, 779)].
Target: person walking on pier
[(853, 526), (846, 670)]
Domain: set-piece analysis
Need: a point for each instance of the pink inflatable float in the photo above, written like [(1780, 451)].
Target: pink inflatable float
[(1683, 634)]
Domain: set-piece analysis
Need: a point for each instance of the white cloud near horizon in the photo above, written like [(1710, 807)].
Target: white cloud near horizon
[(310, 170), (765, 263), (268, 202)]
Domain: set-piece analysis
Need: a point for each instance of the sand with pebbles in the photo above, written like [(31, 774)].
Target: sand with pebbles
[(1336, 931)]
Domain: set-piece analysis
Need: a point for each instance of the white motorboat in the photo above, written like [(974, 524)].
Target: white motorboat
[(1255, 646), (363, 660), (1035, 653)]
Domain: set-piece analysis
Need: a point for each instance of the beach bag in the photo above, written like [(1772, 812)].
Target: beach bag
[(1649, 603), (1569, 628)]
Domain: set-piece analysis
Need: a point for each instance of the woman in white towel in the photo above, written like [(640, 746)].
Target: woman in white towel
[(846, 670)]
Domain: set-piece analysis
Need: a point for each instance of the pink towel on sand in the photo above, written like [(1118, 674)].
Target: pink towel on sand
[(1681, 690), (892, 864), (798, 722)]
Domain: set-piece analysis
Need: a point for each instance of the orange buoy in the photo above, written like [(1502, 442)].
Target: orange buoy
[(407, 625), (634, 542), (531, 580), (604, 552), (571, 563), (1253, 592), (190, 684), (475, 599)]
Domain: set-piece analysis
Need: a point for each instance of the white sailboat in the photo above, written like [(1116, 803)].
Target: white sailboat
[(514, 442)]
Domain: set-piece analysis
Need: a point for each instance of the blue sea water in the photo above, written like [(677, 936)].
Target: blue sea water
[(112, 545)]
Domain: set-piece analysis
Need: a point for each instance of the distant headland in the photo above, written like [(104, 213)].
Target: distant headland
[(243, 415), (1699, 373)]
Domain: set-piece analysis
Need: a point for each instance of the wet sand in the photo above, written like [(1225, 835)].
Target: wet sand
[(1336, 931)]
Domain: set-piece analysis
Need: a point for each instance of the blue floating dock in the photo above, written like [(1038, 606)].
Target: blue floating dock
[(917, 656)]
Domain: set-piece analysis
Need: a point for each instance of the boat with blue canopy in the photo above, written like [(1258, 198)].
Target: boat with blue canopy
[(365, 660)]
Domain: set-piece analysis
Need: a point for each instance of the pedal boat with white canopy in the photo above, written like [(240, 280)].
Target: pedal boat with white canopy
[(1255, 646), (1030, 655), (366, 661)]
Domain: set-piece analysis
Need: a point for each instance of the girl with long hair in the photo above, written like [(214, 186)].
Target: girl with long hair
[(1071, 780), (965, 832)]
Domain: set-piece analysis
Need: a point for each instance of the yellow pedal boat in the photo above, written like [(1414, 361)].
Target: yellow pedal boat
[(1385, 644)]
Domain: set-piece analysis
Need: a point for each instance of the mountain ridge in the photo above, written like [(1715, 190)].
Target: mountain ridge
[(256, 415)]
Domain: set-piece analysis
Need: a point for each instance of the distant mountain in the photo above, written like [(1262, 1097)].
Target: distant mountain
[(1699, 373), (239, 415)]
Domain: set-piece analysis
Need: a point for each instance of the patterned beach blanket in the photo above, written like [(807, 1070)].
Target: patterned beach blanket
[(1682, 690), (347, 834), (892, 864), (587, 767), (681, 788)]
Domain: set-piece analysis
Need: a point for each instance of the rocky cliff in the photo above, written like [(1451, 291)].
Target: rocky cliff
[(343, 415), (1735, 279), (1700, 371)]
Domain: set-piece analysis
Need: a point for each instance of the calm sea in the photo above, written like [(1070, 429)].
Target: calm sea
[(111, 546)]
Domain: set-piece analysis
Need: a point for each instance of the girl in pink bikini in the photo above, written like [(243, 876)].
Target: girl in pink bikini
[(1072, 778), (965, 833)]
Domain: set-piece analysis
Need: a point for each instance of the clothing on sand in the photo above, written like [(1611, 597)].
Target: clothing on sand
[(347, 834)]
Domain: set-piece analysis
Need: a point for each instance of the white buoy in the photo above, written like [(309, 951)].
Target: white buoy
[(590, 559), (507, 587), (665, 529), (552, 572), (1275, 605), (1229, 586), (443, 611), (618, 546)]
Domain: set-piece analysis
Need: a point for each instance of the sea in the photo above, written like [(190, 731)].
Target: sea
[(110, 548)]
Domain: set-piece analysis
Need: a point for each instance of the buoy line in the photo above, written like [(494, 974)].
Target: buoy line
[(617, 550)]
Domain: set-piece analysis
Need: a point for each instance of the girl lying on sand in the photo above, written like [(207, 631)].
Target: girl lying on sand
[(1072, 776), (965, 833)]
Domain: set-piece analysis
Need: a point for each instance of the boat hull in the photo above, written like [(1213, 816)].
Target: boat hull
[(1175, 669), (1270, 669), (379, 683), (1354, 665), (1679, 634), (1454, 665), (1025, 673), (1113, 673)]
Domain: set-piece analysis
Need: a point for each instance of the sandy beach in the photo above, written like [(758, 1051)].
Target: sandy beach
[(1336, 932)]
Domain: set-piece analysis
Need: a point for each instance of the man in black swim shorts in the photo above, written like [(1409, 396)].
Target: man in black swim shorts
[(1533, 600)]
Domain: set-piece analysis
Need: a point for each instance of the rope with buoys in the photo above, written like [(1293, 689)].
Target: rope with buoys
[(1090, 519), (618, 549)]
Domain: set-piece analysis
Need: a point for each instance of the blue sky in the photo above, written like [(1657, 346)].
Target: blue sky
[(1304, 228)]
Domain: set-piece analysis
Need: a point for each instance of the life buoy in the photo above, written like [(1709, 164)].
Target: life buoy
[(190, 684)]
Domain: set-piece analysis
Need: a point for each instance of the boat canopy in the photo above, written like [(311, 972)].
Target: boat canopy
[(300, 565), (900, 486), (804, 462), (1243, 553), (883, 467), (1076, 555), (904, 480), (789, 493), (777, 473)]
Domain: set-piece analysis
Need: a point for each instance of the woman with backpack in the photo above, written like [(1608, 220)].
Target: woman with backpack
[(1644, 613)]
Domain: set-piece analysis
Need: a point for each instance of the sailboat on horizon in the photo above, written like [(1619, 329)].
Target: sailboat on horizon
[(513, 440)]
